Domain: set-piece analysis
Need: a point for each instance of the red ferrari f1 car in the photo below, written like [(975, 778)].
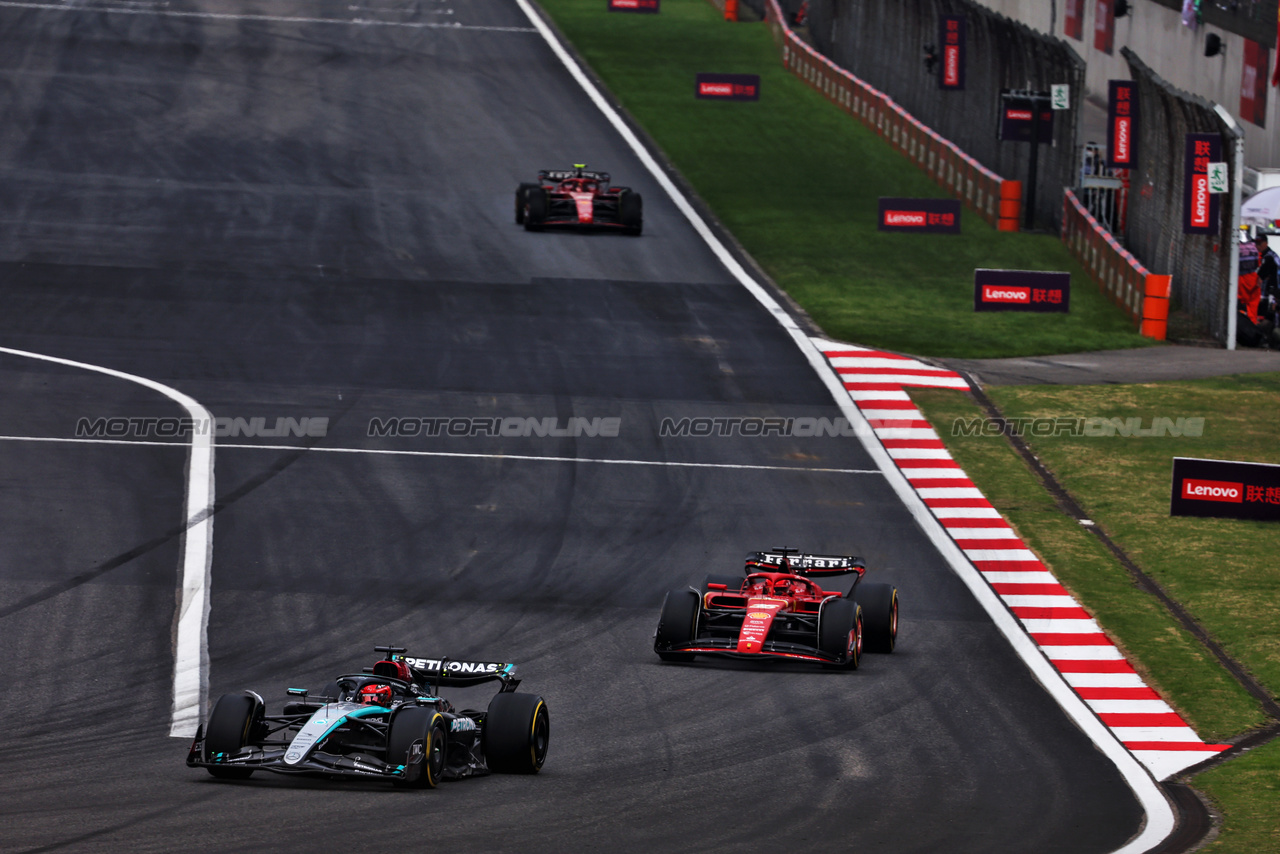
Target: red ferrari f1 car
[(778, 611), (578, 198)]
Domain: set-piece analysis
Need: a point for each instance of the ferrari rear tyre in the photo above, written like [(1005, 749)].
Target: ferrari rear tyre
[(230, 725), (732, 583), (516, 733), (631, 212), (522, 193), (880, 616), (535, 209), (416, 740), (840, 632), (678, 624)]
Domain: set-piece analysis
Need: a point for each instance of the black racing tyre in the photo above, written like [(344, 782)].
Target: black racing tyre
[(516, 733), (631, 212), (879, 616), (678, 624), (732, 583), (416, 739), (521, 198), (230, 725), (535, 209), (840, 632)]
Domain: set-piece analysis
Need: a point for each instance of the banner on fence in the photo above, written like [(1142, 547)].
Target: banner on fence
[(633, 6), (1199, 206), (934, 216), (1122, 124), (1017, 113), (951, 35)]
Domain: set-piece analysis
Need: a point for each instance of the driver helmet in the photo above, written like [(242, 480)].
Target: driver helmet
[(375, 695)]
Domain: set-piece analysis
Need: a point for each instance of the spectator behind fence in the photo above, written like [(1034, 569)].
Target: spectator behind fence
[(1268, 264), (1252, 328)]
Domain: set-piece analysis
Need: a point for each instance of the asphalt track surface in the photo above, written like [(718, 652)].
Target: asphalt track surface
[(312, 218)]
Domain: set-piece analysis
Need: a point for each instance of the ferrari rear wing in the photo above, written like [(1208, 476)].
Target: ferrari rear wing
[(565, 174), (793, 560)]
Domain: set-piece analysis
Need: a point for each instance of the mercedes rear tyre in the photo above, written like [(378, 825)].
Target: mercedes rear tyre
[(880, 616), (522, 193), (840, 632), (535, 208), (631, 212), (516, 732), (231, 724), (678, 624), (416, 740)]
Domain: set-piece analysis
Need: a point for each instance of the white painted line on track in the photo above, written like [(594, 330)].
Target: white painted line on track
[(1159, 822), (285, 19), (390, 452), (191, 651)]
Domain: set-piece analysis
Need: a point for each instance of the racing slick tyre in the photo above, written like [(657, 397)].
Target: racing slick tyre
[(522, 193), (631, 212), (516, 731), (879, 616), (535, 208), (416, 740), (840, 632), (231, 723), (678, 624), (732, 583)]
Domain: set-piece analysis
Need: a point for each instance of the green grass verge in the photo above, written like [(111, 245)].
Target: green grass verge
[(797, 181), (1225, 571)]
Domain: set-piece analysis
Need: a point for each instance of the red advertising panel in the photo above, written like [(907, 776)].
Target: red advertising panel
[(951, 37), (936, 216), (1122, 123), (1073, 19), (1021, 290), (1017, 115), (1199, 206), (1226, 489), (729, 87), (1104, 26), (1253, 84), (633, 6)]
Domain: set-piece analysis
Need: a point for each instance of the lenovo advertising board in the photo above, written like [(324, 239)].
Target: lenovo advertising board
[(1122, 124), (1253, 83), (1104, 26), (1021, 290), (633, 6), (1227, 489), (951, 37), (934, 216), (1016, 116), (729, 87), (1199, 206)]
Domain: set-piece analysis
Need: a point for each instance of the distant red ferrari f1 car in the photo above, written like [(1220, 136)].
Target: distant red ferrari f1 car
[(578, 198), (777, 611)]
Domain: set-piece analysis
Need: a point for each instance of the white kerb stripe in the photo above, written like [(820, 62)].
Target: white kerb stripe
[(1104, 680), (966, 512), (919, 453), (1130, 707), (951, 492), (1063, 627), (1001, 554), (1155, 733), (905, 433), (863, 394), (1030, 577), (982, 533), (948, 473), (1082, 653), (1019, 600)]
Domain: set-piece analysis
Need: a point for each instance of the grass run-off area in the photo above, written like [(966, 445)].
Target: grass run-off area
[(1225, 571), (797, 181)]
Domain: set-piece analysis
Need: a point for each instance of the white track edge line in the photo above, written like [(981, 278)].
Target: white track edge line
[(191, 620), (392, 452), (1160, 819)]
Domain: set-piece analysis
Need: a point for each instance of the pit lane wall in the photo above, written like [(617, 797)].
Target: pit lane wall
[(1120, 276), (995, 199)]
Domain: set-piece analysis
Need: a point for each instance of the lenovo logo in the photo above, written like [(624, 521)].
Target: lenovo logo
[(1200, 201), (1123, 129), (951, 65), (1213, 490), (1018, 115), (992, 293), (723, 90), (905, 218)]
